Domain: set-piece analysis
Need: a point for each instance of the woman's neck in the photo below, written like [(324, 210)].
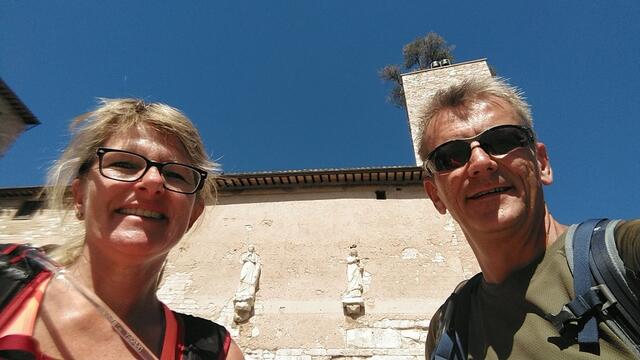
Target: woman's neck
[(128, 289)]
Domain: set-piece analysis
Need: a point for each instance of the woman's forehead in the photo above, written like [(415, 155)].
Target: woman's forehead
[(149, 141)]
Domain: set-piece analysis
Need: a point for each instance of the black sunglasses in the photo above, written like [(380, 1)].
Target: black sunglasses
[(497, 140)]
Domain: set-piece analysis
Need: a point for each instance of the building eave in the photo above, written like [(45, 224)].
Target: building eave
[(17, 105), (387, 176)]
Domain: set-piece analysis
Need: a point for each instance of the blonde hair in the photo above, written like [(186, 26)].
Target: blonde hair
[(92, 129), (461, 96)]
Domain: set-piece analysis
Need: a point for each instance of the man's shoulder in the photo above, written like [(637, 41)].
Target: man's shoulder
[(455, 307)]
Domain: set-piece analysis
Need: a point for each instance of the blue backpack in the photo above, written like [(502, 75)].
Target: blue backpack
[(601, 287)]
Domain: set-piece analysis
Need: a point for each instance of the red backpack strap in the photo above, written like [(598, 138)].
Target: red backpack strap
[(17, 272)]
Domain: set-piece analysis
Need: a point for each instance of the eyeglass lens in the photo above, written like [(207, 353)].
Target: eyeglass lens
[(126, 166), (496, 141)]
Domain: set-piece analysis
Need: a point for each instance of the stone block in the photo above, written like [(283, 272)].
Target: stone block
[(423, 324), (411, 334), (296, 357), (288, 352), (336, 352), (349, 353), (373, 338), (393, 357), (252, 356), (255, 332), (395, 324), (415, 351), (316, 352)]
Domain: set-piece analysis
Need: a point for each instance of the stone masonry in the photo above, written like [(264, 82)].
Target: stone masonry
[(419, 86)]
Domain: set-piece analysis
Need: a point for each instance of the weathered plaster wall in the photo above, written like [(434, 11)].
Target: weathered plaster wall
[(419, 86), (413, 257)]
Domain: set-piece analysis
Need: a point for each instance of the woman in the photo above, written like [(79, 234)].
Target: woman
[(139, 181)]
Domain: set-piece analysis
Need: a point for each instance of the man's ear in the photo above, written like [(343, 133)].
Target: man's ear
[(544, 165), (77, 191), (198, 208), (432, 191)]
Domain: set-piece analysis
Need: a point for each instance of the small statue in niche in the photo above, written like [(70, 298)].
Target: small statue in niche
[(244, 299), (352, 302), (354, 274)]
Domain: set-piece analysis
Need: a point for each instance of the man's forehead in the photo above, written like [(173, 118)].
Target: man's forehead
[(465, 121)]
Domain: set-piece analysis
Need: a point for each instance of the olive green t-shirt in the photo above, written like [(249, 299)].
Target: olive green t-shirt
[(507, 320)]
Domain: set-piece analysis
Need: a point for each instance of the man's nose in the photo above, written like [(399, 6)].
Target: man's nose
[(480, 162)]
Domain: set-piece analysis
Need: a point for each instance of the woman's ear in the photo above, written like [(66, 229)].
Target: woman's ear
[(77, 191)]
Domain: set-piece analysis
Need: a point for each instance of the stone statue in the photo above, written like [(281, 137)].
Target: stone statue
[(354, 275), (352, 302), (245, 296)]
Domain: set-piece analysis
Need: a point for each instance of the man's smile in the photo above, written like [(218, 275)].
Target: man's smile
[(495, 190)]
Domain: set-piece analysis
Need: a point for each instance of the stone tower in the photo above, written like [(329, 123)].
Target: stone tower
[(419, 86)]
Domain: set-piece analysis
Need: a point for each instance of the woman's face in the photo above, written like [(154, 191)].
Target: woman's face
[(138, 220)]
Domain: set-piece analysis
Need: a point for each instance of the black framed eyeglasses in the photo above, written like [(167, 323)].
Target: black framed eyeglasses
[(128, 166), (497, 140)]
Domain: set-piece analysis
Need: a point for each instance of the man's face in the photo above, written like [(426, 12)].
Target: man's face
[(490, 193)]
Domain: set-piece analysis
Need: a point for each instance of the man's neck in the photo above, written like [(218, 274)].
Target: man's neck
[(507, 252)]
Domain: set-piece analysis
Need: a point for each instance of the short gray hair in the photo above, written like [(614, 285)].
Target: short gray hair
[(464, 94)]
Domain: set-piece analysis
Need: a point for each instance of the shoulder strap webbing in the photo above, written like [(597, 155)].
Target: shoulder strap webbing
[(582, 278), (451, 343), (16, 270), (600, 285), (608, 269), (588, 298)]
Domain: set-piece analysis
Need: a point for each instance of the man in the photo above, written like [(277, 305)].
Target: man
[(485, 167)]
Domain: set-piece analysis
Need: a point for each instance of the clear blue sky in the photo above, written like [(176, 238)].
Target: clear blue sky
[(283, 85)]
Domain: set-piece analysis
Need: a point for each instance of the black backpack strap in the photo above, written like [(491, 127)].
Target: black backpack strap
[(600, 286), (588, 298), (452, 341), (203, 339), (16, 270), (608, 269)]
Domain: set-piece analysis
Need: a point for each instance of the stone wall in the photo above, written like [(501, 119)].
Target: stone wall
[(412, 256), (419, 86)]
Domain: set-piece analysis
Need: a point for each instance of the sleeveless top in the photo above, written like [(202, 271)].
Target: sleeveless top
[(185, 336)]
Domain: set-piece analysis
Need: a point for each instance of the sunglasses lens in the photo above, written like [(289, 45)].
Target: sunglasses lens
[(451, 155), (497, 141), (501, 140)]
